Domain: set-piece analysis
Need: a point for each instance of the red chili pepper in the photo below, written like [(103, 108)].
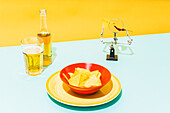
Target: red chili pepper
[(119, 29)]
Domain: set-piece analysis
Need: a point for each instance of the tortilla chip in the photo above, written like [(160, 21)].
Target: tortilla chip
[(94, 79), (71, 75), (74, 80), (84, 78)]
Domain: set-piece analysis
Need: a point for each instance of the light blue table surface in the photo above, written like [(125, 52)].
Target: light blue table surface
[(143, 69)]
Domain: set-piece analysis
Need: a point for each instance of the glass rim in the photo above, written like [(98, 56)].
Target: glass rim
[(38, 39)]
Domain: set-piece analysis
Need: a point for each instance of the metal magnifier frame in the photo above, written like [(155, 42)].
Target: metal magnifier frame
[(112, 55)]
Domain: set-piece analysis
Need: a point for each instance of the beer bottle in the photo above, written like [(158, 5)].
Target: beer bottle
[(46, 36)]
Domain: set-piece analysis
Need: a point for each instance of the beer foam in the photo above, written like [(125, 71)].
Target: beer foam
[(33, 49)]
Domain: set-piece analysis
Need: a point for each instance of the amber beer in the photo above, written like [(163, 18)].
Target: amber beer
[(33, 56), (46, 36)]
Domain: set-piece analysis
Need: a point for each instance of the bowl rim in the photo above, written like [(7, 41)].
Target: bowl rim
[(91, 87)]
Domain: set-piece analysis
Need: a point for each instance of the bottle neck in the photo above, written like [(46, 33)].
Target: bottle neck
[(43, 21)]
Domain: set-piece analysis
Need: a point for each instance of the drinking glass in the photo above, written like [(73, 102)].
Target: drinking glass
[(32, 48)]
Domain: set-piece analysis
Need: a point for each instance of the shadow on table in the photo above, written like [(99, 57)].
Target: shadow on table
[(87, 108), (53, 56)]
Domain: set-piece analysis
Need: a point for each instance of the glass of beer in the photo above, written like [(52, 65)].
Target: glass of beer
[(32, 48)]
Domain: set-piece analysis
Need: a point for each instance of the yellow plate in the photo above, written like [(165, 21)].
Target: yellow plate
[(62, 93)]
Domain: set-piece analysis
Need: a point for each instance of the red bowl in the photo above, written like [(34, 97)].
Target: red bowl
[(105, 76)]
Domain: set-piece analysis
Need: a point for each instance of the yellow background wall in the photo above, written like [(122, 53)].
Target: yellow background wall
[(80, 19)]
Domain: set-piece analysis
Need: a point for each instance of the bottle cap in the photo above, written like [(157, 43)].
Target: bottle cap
[(42, 12)]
